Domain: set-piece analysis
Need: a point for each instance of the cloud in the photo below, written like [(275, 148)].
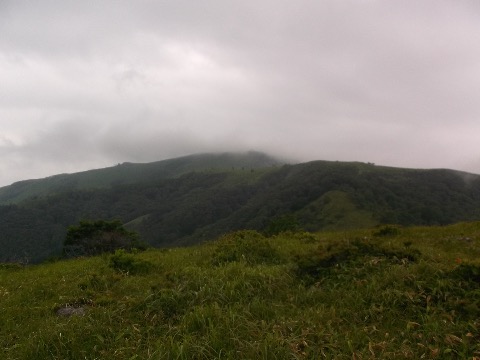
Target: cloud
[(92, 84)]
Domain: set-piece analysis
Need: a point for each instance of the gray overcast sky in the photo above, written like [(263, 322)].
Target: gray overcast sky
[(87, 84)]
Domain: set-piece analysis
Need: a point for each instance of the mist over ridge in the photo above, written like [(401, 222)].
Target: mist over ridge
[(86, 85)]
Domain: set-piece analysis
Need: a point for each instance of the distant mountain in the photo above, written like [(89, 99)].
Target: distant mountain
[(130, 173), (192, 199)]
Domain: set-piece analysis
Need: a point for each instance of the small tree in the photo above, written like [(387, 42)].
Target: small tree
[(97, 237)]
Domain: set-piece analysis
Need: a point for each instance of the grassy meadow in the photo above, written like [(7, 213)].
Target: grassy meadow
[(384, 293)]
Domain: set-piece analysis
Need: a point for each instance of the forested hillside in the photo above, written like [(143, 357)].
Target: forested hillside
[(200, 205), (130, 173)]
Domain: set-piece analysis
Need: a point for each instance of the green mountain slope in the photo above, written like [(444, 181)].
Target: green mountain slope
[(130, 173), (202, 205), (355, 294)]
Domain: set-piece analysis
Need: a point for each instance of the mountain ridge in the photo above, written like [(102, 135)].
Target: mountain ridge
[(200, 205), (128, 172)]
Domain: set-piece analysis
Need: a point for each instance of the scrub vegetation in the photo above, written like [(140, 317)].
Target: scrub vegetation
[(389, 292)]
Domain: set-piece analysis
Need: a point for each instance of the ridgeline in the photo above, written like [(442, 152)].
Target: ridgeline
[(197, 198)]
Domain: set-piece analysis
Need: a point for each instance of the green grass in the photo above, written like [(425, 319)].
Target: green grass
[(370, 294)]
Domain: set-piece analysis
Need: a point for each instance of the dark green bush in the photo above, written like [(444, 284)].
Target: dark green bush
[(387, 230), (97, 237), (126, 263), (314, 265)]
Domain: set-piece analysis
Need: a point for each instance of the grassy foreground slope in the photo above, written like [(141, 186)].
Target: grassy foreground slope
[(388, 293)]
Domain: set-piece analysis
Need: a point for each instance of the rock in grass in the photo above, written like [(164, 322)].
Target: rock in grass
[(71, 311)]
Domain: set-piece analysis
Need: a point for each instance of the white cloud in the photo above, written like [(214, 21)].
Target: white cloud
[(90, 84)]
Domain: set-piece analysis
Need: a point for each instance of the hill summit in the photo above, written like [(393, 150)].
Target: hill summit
[(130, 173)]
